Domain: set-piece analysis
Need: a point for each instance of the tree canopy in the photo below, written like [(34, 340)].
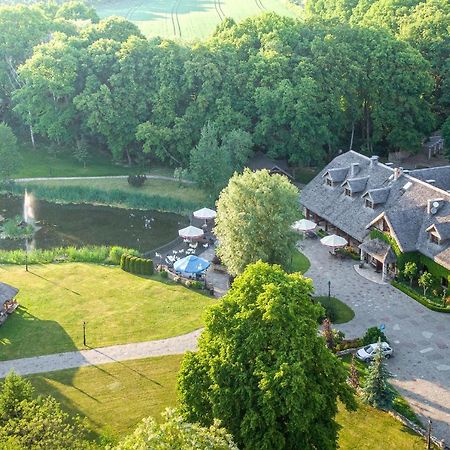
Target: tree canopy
[(9, 156), (255, 213), (299, 89), (261, 367), (175, 433)]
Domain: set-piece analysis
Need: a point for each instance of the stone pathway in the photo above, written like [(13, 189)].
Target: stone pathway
[(96, 356), (420, 337)]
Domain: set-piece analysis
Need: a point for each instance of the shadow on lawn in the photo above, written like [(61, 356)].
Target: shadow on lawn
[(53, 282), (24, 335)]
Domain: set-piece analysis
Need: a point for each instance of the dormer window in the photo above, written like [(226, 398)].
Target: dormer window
[(348, 192), (329, 182), (368, 203), (434, 239)]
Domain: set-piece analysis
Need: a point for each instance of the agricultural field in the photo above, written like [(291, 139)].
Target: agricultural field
[(188, 19)]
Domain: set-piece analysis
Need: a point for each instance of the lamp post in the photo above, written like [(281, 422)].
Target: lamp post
[(329, 290), (429, 434), (84, 333)]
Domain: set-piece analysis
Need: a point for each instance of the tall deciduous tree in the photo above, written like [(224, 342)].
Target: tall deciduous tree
[(210, 165), (175, 433), (254, 217), (262, 369)]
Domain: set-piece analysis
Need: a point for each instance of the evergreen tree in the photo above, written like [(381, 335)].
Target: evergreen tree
[(376, 389)]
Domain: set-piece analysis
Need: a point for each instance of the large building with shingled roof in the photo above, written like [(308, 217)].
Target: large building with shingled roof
[(384, 211)]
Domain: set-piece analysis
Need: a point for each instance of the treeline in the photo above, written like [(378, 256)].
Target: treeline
[(300, 89)]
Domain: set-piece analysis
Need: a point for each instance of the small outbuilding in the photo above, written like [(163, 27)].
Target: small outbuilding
[(261, 161), (8, 304)]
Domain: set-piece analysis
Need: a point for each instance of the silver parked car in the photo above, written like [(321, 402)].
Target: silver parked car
[(368, 352)]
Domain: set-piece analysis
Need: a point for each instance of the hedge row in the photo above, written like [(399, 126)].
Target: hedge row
[(420, 298), (136, 265)]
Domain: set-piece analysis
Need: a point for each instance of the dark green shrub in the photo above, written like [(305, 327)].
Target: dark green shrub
[(123, 262), (136, 180), (149, 267), (372, 335), (196, 284), (164, 274), (116, 252)]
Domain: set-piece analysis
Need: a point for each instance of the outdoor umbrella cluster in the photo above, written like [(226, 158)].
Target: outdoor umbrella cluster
[(334, 241)]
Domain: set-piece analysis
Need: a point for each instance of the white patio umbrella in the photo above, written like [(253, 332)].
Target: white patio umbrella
[(190, 232), (304, 225), (205, 214), (334, 241)]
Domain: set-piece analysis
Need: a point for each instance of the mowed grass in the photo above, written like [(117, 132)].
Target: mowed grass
[(115, 397), (188, 19), (340, 311), (39, 163), (299, 263), (117, 307), (152, 187)]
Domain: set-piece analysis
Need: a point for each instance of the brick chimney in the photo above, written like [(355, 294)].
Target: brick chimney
[(398, 172)]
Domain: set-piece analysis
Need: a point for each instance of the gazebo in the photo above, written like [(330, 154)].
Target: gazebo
[(7, 300)]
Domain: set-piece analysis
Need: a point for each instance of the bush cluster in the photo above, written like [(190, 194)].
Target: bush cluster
[(372, 335), (136, 265), (136, 180), (419, 297)]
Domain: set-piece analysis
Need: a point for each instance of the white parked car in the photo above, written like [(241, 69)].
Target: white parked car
[(368, 352)]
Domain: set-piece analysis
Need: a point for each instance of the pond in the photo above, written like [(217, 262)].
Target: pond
[(61, 225)]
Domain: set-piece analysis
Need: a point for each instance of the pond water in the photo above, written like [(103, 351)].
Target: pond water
[(78, 225)]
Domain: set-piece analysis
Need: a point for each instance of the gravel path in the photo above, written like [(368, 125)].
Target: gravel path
[(106, 177), (96, 356)]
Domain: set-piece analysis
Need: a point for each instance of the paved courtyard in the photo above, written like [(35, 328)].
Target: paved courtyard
[(421, 337)]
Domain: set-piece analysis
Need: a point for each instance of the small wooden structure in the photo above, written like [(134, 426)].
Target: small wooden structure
[(8, 303)]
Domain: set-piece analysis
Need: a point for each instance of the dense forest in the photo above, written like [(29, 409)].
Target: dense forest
[(367, 75)]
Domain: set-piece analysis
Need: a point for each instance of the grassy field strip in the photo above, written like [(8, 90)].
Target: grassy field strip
[(188, 19), (117, 396)]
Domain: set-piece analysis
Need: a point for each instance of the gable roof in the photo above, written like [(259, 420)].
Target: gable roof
[(403, 200), (7, 293), (261, 161), (440, 175)]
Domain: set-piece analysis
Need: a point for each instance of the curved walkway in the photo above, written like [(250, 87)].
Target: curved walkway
[(104, 177), (95, 356)]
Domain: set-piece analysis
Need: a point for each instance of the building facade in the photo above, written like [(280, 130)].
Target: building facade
[(388, 214)]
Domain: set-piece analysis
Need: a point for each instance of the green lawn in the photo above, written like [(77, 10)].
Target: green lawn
[(118, 308), (300, 263), (39, 163), (189, 19), (116, 396), (341, 313)]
